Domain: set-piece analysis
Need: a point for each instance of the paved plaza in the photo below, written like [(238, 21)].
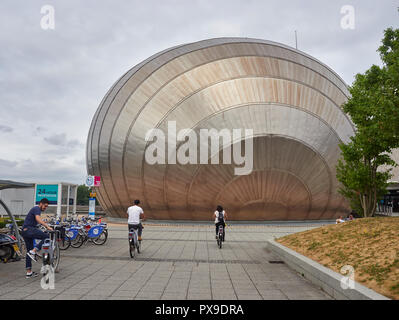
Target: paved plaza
[(178, 262)]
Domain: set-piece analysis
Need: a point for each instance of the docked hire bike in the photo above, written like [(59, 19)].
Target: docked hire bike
[(50, 255)]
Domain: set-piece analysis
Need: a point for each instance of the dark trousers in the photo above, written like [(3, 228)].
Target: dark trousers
[(29, 234), (135, 227), (217, 227)]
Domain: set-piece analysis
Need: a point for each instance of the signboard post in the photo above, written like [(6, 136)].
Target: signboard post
[(92, 181), (92, 207)]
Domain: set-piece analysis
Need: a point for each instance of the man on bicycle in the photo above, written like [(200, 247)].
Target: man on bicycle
[(220, 218), (135, 213), (31, 232)]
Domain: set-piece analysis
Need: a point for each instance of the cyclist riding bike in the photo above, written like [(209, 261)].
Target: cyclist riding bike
[(136, 213), (31, 232), (220, 218)]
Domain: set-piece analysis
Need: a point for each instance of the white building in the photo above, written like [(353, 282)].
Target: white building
[(20, 200)]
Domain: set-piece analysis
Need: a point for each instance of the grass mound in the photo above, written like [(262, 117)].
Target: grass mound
[(370, 246)]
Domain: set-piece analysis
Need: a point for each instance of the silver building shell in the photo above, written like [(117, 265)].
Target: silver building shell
[(291, 101)]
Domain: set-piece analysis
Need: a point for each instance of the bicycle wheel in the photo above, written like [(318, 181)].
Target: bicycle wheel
[(64, 243), (132, 250), (77, 242), (56, 258), (220, 241), (102, 238)]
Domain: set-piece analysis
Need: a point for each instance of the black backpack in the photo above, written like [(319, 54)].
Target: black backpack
[(221, 217)]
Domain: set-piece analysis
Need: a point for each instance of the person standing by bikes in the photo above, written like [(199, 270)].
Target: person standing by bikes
[(220, 218), (31, 232), (135, 213)]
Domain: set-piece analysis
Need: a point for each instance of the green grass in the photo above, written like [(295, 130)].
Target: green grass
[(395, 288), (314, 245), (377, 272)]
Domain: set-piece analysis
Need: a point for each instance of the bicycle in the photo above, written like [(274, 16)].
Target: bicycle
[(63, 240), (134, 242), (50, 255), (98, 234), (220, 237), (73, 234)]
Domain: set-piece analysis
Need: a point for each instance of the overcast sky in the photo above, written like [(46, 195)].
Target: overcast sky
[(52, 81)]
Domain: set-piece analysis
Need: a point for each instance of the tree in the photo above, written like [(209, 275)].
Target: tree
[(363, 184), (83, 195), (374, 109)]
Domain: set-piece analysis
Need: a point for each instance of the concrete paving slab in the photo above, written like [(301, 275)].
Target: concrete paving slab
[(177, 262)]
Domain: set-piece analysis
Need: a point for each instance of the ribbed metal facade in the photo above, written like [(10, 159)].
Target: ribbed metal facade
[(290, 100)]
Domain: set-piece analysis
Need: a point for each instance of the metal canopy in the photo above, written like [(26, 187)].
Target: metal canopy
[(7, 184)]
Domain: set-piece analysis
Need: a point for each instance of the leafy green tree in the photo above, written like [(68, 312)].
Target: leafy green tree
[(83, 195), (374, 109)]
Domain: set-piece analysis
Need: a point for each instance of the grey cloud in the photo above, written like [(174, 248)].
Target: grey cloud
[(53, 81), (61, 140), (7, 164), (6, 129), (29, 170), (74, 144), (57, 139), (38, 131)]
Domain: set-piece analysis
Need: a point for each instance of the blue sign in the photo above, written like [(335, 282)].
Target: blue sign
[(49, 191)]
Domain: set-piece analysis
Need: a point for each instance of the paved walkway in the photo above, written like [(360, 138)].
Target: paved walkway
[(177, 262)]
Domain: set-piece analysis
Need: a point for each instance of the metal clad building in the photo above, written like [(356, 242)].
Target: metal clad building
[(290, 100)]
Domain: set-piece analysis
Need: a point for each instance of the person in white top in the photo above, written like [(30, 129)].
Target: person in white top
[(136, 215), (220, 218), (339, 220)]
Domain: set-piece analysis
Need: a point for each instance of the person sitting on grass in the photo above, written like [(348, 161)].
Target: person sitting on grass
[(339, 220), (350, 218)]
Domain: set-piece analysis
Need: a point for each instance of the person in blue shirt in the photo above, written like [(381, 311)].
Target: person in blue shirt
[(31, 232)]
